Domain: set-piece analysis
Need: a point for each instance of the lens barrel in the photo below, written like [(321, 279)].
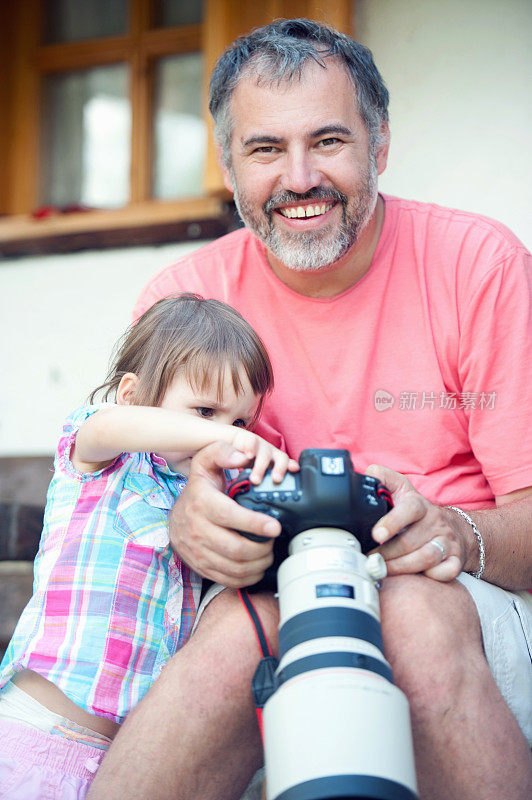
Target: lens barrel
[(336, 727)]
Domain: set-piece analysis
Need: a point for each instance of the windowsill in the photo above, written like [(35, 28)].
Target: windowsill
[(152, 222)]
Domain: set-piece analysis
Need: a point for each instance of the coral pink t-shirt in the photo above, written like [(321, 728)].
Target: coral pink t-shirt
[(423, 366)]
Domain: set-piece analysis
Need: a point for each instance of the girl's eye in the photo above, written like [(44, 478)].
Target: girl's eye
[(240, 423), (206, 413)]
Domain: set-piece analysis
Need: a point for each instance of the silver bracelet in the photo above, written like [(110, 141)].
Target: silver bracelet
[(481, 550)]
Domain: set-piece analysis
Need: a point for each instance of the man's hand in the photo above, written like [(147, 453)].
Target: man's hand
[(205, 521), (418, 536)]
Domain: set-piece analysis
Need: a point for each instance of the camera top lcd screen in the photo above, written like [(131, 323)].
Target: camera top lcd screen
[(288, 484)]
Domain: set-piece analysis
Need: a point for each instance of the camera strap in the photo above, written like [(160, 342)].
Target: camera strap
[(264, 681)]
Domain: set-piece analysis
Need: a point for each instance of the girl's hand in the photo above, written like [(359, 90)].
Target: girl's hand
[(264, 454)]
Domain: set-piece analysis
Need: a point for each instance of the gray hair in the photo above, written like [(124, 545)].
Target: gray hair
[(278, 52)]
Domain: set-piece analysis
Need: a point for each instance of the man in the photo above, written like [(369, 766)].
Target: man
[(361, 300)]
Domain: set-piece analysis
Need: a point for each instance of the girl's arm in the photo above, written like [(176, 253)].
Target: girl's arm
[(142, 429)]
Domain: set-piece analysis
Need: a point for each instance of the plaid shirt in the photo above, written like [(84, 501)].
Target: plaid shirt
[(112, 602)]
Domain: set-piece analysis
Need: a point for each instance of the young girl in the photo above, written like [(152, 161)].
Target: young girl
[(112, 602)]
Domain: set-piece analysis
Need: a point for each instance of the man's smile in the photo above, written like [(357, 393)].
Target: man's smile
[(302, 211)]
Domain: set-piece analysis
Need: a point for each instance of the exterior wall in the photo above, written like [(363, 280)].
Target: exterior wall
[(60, 317), (459, 74)]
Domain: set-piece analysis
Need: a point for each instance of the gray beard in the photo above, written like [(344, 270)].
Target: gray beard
[(312, 250)]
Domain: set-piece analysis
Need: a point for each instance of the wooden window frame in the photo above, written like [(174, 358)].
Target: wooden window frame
[(24, 62)]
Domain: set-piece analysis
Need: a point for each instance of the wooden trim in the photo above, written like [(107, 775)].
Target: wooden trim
[(110, 50), (82, 55), (141, 92), (152, 221), (140, 16), (337, 13), (148, 212), (23, 163), (6, 101), (100, 239), (171, 41), (70, 57), (216, 37)]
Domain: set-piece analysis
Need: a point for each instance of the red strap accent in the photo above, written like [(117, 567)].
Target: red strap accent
[(262, 641), (237, 486), (259, 720), (382, 491)]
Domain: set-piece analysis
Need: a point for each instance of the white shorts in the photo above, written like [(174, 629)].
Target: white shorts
[(506, 624)]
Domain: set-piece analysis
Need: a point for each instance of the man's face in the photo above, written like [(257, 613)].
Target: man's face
[(303, 177)]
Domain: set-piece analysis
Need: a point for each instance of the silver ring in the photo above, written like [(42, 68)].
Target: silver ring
[(440, 547)]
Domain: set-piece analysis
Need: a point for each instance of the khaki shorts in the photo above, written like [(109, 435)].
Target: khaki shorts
[(506, 624)]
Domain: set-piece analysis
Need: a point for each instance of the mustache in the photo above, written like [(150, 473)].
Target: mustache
[(292, 198)]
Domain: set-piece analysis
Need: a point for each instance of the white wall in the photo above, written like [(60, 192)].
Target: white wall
[(459, 74), (59, 319)]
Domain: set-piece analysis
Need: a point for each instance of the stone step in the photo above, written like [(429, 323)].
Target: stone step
[(16, 582), (20, 531)]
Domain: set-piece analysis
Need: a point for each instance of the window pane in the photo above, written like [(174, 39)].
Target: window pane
[(178, 12), (86, 138), (180, 133), (73, 20)]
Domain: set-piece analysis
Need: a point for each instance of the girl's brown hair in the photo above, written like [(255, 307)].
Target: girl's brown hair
[(198, 338)]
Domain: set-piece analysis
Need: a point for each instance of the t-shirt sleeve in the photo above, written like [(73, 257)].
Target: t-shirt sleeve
[(63, 459), (495, 366)]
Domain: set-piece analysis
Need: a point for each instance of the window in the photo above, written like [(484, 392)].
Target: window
[(105, 107), (85, 138)]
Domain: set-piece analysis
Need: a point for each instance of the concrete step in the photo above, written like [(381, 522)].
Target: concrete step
[(20, 531), (16, 582)]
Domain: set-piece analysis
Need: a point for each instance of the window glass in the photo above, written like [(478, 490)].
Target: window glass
[(178, 12), (180, 136), (86, 138), (74, 20)]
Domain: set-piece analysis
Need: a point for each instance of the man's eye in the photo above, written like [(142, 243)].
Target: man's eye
[(265, 149), (206, 413), (328, 142)]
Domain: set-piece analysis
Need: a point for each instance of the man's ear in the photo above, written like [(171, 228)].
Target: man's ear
[(125, 394), (226, 173), (381, 153)]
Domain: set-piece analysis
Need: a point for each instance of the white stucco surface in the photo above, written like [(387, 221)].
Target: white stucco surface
[(59, 319), (459, 74)]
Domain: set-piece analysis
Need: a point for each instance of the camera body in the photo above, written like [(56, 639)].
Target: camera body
[(325, 492)]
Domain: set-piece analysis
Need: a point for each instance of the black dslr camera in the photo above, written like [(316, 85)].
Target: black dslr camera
[(326, 492)]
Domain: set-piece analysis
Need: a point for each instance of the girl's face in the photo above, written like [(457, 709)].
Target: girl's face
[(230, 409)]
